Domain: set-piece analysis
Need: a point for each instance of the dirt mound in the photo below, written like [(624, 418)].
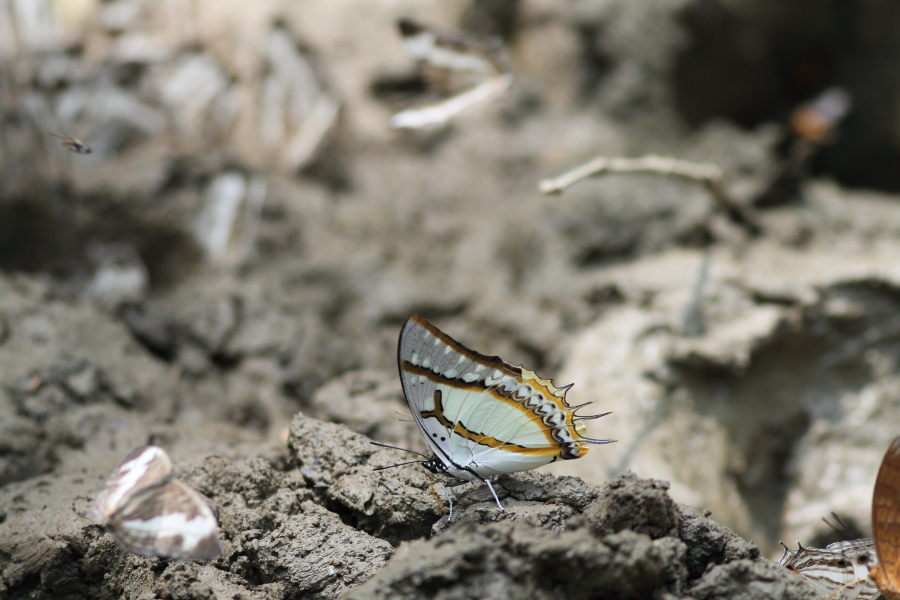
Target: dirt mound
[(318, 522)]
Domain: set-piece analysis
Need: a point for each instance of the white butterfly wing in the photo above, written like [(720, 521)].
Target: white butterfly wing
[(142, 468), (169, 520), (840, 570), (479, 413)]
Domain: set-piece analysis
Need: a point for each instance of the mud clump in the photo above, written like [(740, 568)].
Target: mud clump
[(555, 538), (640, 505), (521, 560), (631, 541), (317, 522)]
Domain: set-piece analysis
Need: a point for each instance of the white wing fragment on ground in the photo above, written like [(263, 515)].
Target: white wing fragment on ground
[(226, 227), (456, 52)]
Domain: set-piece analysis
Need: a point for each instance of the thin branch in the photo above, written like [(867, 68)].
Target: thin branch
[(707, 174)]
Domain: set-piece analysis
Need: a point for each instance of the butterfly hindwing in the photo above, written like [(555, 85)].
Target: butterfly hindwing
[(168, 520), (840, 570)]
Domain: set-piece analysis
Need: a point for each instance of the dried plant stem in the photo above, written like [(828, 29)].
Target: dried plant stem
[(708, 174)]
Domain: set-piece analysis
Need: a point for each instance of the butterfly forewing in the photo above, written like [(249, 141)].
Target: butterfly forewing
[(480, 413), (144, 467), (886, 523)]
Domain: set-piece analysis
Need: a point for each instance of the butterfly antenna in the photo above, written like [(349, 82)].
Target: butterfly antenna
[(399, 448), (409, 462), (841, 526)]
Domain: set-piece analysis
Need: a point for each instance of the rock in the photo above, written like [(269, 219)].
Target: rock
[(393, 504), (748, 580), (641, 506), (368, 402), (510, 554)]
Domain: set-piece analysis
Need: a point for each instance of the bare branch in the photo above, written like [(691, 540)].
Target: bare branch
[(708, 174), (661, 165)]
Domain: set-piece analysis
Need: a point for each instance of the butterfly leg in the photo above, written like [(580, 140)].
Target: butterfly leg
[(447, 494), (490, 487), (840, 591)]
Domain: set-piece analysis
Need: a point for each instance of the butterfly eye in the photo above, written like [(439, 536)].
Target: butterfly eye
[(862, 559)]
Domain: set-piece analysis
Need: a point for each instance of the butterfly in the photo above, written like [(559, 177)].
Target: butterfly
[(448, 51), (73, 144), (152, 513), (480, 415), (886, 523), (840, 570)]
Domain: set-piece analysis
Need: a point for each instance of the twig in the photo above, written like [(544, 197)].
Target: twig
[(694, 316), (708, 174)]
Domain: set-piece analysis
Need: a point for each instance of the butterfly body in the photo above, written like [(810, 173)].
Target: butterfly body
[(151, 513), (481, 416)]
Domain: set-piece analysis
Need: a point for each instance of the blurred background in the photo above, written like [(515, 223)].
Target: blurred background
[(248, 233)]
